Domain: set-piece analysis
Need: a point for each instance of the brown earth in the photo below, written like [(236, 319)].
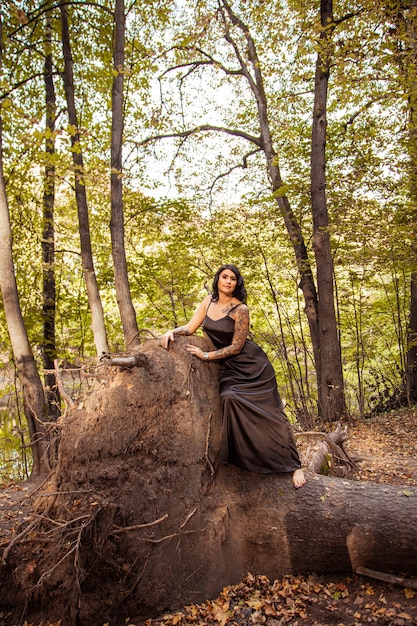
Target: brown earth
[(385, 448)]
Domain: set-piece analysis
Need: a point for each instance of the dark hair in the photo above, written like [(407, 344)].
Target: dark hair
[(239, 292)]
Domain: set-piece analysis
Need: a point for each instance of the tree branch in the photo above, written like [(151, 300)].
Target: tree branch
[(204, 128), (242, 165), (210, 61)]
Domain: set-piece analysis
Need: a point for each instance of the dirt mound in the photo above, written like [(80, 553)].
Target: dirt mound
[(137, 448), (138, 518)]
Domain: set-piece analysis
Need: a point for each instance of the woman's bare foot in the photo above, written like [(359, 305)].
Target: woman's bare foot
[(298, 478)]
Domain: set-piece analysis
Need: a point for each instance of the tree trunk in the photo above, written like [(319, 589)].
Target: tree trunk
[(152, 522), (411, 358), (48, 236), (409, 69), (123, 295), (331, 391), (307, 284), (94, 300), (33, 394)]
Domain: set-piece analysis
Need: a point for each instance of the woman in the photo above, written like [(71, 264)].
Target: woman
[(256, 433)]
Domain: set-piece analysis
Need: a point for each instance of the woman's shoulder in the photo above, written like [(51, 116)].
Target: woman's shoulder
[(237, 302), (239, 306), (205, 303)]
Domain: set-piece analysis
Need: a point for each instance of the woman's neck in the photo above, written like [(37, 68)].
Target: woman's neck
[(224, 300)]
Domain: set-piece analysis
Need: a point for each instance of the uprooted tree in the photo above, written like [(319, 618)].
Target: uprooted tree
[(139, 517)]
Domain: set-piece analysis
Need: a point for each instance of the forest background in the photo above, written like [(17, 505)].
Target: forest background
[(143, 145)]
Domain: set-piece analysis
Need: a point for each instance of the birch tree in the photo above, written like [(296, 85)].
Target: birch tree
[(94, 299), (123, 294)]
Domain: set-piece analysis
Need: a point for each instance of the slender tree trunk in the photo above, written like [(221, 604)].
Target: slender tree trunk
[(33, 395), (307, 284), (124, 299), (331, 390), (410, 37), (48, 238), (94, 300), (411, 357)]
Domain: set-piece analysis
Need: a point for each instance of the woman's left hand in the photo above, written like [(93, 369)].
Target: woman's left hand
[(194, 351)]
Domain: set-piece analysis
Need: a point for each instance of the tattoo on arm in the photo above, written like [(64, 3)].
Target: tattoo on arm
[(241, 318), (181, 330)]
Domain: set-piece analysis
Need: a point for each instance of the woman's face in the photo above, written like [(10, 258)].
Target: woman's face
[(227, 282)]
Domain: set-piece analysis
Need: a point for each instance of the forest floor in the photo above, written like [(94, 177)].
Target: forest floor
[(385, 449)]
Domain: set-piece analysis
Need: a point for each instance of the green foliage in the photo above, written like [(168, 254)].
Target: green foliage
[(15, 456)]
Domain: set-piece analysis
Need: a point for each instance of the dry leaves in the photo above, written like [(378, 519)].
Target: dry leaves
[(297, 601), (387, 447)]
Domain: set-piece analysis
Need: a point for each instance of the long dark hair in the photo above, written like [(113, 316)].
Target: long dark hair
[(239, 292)]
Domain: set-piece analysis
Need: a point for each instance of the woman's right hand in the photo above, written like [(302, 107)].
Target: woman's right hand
[(165, 339)]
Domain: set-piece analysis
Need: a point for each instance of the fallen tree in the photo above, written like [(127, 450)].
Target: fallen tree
[(139, 518)]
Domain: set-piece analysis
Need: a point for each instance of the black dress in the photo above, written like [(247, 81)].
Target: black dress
[(257, 435)]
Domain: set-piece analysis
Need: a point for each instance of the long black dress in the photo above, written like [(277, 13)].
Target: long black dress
[(257, 435)]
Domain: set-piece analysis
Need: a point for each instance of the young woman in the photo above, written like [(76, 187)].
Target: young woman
[(256, 433)]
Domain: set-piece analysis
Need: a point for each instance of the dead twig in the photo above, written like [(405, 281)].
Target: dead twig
[(193, 573), (410, 583), (138, 579), (139, 526), (66, 493), (18, 538), (167, 537), (189, 516), (206, 452)]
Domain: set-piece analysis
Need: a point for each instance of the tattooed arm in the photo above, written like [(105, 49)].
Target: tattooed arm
[(241, 318)]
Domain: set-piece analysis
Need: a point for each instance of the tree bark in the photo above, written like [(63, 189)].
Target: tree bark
[(94, 300), (411, 356), (331, 390), (48, 235), (123, 295), (33, 395), (409, 70), (156, 521)]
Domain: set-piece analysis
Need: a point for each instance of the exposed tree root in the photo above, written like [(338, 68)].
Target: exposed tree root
[(410, 583)]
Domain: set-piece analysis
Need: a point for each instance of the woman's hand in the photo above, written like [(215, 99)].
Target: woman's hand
[(194, 351), (165, 339)]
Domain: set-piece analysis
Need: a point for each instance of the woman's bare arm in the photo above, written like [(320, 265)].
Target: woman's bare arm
[(189, 328)]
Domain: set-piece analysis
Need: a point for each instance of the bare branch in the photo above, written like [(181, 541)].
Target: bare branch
[(209, 61), (242, 165), (243, 67), (204, 128)]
